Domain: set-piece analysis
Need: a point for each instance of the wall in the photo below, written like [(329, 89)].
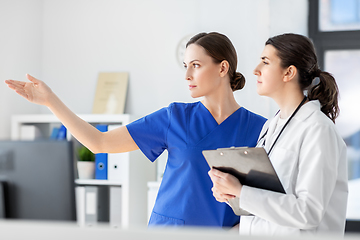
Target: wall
[(67, 43), (20, 52), (82, 38)]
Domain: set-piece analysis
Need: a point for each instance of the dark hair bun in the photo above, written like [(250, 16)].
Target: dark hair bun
[(237, 82)]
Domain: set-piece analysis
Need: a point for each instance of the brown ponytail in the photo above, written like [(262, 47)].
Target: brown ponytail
[(298, 50), (220, 48), (326, 91)]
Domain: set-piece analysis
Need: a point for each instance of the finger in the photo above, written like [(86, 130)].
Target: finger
[(219, 185), (14, 87), (220, 197), (32, 79), (213, 177), (218, 173), (216, 181), (224, 197), (228, 196), (211, 174), (223, 187), (217, 195), (218, 192), (14, 82), (214, 190)]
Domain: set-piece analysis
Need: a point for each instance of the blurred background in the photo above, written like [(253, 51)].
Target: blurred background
[(67, 43)]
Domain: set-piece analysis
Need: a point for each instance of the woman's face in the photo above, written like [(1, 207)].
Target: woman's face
[(269, 73), (202, 73)]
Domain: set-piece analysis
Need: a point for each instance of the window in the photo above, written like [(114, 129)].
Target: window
[(339, 15), (334, 27), (338, 50), (348, 122)]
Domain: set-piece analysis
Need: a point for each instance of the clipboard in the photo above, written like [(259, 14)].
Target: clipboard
[(251, 166)]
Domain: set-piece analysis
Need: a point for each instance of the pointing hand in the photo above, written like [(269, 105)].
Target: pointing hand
[(34, 91)]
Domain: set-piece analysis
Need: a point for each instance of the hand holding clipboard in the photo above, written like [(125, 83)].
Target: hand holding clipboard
[(250, 165)]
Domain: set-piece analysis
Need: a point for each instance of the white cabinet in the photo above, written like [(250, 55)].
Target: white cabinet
[(128, 194), (153, 189), (45, 122)]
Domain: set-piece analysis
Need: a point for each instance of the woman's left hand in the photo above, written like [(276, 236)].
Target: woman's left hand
[(225, 186)]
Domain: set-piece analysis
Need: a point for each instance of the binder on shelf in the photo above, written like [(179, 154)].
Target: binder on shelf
[(29, 132), (62, 133), (115, 160), (101, 159), (80, 205), (115, 215), (54, 133), (86, 205)]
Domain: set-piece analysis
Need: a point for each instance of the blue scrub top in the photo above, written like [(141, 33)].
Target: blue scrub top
[(185, 130)]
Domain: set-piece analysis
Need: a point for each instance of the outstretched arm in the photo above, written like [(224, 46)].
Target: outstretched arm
[(36, 91)]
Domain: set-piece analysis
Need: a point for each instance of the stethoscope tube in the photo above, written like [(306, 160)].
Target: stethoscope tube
[(287, 122)]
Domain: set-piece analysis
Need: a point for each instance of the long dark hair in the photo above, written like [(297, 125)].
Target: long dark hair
[(220, 48), (298, 50)]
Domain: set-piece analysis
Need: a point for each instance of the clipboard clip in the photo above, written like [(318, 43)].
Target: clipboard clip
[(233, 148)]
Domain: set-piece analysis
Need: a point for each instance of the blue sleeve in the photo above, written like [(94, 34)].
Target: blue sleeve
[(150, 132)]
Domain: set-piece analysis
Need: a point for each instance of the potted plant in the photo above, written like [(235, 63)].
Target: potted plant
[(85, 163)]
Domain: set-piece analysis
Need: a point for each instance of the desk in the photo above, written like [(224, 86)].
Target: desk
[(60, 231)]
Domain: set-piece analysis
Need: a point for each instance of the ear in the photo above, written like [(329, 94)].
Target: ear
[(224, 68), (290, 73)]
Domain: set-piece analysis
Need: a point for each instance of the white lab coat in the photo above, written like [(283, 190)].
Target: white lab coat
[(310, 160)]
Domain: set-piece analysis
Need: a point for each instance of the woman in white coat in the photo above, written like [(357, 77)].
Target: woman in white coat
[(307, 152)]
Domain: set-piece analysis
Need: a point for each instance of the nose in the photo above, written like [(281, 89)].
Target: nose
[(256, 71), (187, 75)]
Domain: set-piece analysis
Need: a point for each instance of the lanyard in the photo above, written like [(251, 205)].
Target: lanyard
[(292, 115)]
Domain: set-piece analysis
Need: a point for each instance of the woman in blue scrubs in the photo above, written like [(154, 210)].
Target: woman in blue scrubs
[(183, 129)]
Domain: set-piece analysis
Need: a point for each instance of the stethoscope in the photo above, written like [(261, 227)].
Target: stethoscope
[(287, 122)]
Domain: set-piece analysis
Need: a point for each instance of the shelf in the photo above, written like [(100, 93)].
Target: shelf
[(97, 182), (28, 119), (46, 118), (128, 194)]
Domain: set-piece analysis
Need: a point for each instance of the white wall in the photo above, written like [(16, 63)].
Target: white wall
[(20, 52), (67, 43)]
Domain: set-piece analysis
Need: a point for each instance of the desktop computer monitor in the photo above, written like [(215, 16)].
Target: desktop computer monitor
[(37, 180)]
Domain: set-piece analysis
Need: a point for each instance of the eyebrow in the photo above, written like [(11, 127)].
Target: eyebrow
[(192, 61), (264, 57)]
